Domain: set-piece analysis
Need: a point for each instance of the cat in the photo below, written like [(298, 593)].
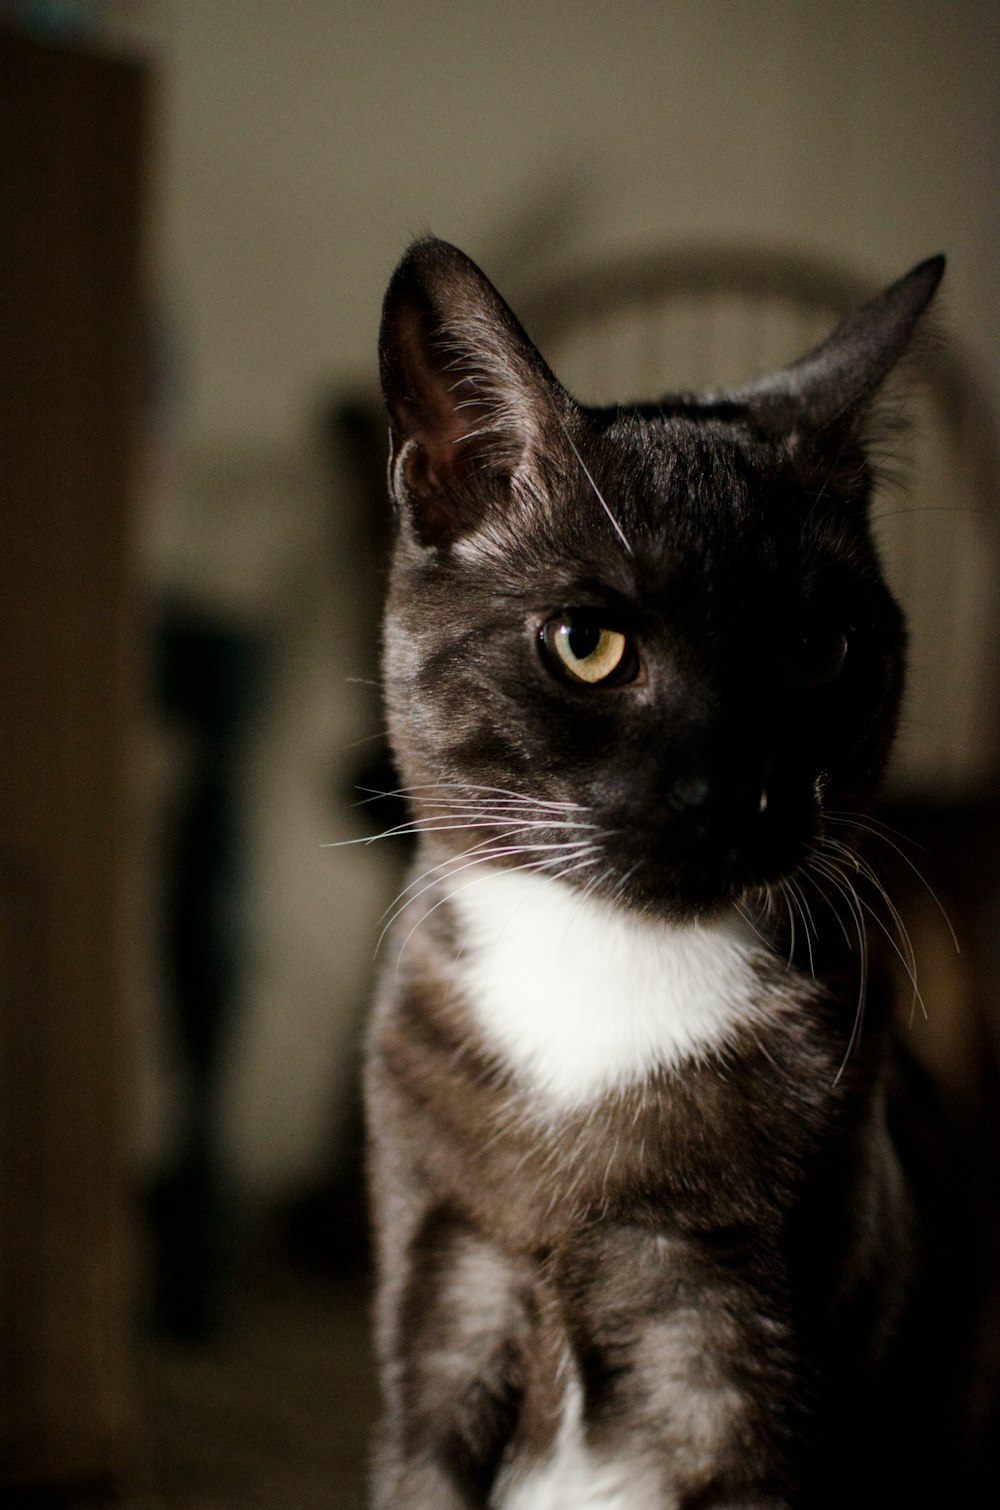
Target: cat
[(644, 1235)]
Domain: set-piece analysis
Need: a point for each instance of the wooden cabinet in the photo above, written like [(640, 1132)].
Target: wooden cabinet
[(71, 395)]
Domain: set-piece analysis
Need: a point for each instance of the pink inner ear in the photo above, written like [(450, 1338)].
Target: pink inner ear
[(435, 411)]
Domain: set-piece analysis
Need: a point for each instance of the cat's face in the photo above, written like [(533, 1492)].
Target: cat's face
[(647, 650)]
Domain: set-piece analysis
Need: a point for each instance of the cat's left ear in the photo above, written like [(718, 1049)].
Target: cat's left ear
[(836, 381), (468, 396)]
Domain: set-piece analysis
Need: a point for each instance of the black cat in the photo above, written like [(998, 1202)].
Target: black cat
[(646, 1236)]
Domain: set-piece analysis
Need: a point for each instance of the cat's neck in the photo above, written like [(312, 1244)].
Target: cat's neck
[(579, 998)]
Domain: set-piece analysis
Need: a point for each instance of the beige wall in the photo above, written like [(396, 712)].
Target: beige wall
[(308, 140), (305, 142)]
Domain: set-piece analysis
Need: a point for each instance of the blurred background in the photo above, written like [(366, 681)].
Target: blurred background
[(200, 207)]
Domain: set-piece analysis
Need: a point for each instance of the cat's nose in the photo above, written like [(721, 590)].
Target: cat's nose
[(702, 801), (690, 796), (694, 806)]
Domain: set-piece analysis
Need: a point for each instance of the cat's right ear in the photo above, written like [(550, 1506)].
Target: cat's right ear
[(467, 394), (836, 382)]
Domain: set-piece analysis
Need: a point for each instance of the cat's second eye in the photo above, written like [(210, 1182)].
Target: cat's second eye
[(579, 647), (819, 656)]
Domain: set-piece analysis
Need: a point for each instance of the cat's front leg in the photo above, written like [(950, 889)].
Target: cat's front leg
[(687, 1368), (454, 1351)]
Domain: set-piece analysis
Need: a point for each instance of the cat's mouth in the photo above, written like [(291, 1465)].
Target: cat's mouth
[(700, 890)]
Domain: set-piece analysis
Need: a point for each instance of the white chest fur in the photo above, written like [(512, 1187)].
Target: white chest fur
[(580, 998)]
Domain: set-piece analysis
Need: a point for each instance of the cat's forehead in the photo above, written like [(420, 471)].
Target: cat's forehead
[(668, 553), (662, 491), (708, 466), (640, 503)]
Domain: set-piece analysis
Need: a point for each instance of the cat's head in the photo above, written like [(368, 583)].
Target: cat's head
[(648, 647)]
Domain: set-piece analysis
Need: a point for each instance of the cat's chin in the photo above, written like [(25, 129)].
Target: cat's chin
[(687, 901), (681, 887)]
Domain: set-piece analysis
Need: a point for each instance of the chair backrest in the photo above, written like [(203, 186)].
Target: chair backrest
[(696, 318)]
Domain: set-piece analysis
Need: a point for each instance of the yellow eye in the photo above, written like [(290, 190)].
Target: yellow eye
[(578, 646)]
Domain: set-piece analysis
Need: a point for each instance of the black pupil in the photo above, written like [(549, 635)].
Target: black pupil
[(584, 638)]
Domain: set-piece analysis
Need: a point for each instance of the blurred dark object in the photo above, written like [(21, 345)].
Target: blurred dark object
[(209, 679), (72, 175), (56, 20), (325, 1226), (944, 878), (941, 864), (356, 437)]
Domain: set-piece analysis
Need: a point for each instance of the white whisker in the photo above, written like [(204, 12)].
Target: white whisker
[(882, 831), (835, 875), (597, 492), (493, 847)]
